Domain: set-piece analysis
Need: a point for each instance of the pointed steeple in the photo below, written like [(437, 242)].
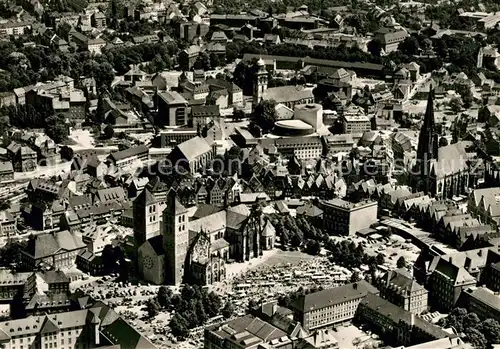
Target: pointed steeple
[(427, 140), (427, 150)]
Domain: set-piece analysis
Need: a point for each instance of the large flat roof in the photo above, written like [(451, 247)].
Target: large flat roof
[(346, 205), (315, 61)]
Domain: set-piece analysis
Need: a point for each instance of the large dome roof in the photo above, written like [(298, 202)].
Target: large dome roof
[(292, 128)]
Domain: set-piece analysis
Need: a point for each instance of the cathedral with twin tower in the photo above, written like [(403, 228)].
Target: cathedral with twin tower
[(175, 247)]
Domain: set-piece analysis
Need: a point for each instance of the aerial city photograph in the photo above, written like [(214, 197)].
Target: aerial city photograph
[(250, 174)]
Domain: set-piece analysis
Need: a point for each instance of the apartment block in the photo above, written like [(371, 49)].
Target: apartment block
[(355, 123), (399, 327), (330, 307), (96, 327), (399, 287)]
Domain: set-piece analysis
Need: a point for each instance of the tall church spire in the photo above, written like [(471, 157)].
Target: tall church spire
[(427, 150), (427, 140)]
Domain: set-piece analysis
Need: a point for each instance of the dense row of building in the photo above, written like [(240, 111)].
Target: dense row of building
[(85, 323), (312, 317)]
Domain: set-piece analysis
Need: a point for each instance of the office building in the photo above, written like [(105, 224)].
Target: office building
[(345, 218), (172, 109), (399, 327), (399, 287), (330, 307), (355, 123)]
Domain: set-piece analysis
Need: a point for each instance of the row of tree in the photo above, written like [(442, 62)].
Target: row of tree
[(9, 253), (23, 66), (29, 116), (288, 299), (193, 307), (228, 6), (298, 231), (350, 255), (481, 334)]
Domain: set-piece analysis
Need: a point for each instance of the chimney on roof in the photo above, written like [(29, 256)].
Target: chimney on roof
[(412, 320), (480, 253), (355, 285), (467, 263), (97, 338), (450, 259)]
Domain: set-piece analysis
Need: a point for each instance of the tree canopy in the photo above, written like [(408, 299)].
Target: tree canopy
[(193, 307), (481, 334), (56, 128), (265, 115)]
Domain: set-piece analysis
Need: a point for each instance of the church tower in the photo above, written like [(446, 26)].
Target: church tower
[(260, 80), (146, 212), (480, 58), (175, 239), (427, 149)]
